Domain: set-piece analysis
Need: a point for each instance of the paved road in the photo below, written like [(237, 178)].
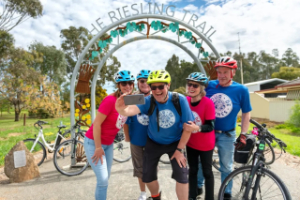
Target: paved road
[(122, 186)]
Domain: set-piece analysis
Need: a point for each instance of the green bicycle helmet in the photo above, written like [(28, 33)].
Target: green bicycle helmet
[(159, 76)]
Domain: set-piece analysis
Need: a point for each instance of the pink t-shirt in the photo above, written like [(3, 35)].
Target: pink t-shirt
[(205, 110), (112, 123)]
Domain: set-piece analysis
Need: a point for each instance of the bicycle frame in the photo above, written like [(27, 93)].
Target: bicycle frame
[(50, 146)]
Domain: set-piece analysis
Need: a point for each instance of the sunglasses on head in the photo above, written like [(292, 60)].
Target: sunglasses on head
[(194, 85), (142, 81), (126, 83), (160, 87)]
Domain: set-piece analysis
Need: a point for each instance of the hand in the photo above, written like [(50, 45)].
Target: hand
[(191, 127), (127, 139), (120, 104), (241, 142), (181, 160), (99, 152)]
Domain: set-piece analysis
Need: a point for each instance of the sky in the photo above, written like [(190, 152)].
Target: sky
[(262, 25)]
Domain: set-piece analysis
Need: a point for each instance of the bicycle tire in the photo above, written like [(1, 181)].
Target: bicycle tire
[(39, 151), (63, 155), (240, 187), (121, 149)]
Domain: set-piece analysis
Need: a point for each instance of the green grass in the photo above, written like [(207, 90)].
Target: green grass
[(12, 132), (286, 135)]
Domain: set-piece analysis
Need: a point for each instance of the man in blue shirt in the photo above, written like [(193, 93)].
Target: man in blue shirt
[(135, 130), (229, 98), (165, 133)]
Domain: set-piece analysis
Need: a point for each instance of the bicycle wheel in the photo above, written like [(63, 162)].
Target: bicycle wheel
[(63, 155), (270, 186), (38, 151), (121, 148), (165, 159), (81, 134)]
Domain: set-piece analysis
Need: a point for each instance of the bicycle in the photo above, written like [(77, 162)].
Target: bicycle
[(269, 152), (255, 181), (121, 148), (69, 158), (38, 148)]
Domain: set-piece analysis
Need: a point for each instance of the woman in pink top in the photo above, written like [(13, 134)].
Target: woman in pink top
[(98, 143), (202, 140)]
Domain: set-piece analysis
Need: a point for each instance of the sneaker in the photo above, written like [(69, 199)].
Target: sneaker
[(199, 191), (142, 196), (155, 198), (227, 196)]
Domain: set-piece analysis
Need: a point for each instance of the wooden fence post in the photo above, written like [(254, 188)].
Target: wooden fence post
[(24, 120)]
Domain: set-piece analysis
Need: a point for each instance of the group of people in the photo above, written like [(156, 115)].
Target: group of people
[(169, 123)]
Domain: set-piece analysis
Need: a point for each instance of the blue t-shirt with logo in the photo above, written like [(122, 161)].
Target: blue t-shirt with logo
[(228, 102), (170, 122), (138, 126)]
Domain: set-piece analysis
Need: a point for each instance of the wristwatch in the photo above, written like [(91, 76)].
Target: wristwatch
[(180, 150)]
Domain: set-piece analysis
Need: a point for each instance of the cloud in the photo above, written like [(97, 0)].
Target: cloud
[(263, 25), (190, 7)]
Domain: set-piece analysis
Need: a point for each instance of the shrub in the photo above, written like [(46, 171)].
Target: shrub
[(295, 115)]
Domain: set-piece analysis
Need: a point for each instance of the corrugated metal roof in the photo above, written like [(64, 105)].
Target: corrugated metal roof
[(292, 82), (266, 81)]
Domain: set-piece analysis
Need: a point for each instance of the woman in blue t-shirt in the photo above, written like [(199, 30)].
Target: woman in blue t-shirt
[(135, 130)]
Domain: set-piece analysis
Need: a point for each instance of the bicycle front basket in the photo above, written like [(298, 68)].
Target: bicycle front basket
[(242, 155)]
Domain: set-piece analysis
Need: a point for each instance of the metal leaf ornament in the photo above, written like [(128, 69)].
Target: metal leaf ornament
[(180, 32), (174, 26), (114, 33), (198, 45), (94, 54), (85, 73), (140, 27), (188, 35), (192, 40), (164, 28), (109, 40), (102, 44), (156, 25), (205, 54), (123, 32), (131, 26)]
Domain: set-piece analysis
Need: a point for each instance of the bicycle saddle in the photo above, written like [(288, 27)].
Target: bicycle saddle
[(61, 126)]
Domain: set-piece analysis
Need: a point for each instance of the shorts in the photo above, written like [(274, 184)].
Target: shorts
[(153, 152), (137, 153)]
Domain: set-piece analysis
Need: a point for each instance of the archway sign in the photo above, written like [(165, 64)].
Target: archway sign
[(156, 19)]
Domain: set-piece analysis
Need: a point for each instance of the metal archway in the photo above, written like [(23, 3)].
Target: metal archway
[(116, 24), (93, 89)]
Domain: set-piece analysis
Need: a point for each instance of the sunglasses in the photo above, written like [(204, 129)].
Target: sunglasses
[(194, 85), (142, 81), (126, 83), (160, 87)]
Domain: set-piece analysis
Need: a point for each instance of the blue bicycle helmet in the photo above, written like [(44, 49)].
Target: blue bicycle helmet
[(144, 73), (198, 77), (124, 75)]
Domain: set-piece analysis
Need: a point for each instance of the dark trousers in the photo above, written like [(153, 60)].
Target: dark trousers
[(206, 161)]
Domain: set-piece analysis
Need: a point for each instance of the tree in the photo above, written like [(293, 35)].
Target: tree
[(74, 40), (269, 62), (174, 70), (16, 11), (53, 63), (6, 43), (181, 90), (24, 87), (100, 94), (287, 73), (290, 58)]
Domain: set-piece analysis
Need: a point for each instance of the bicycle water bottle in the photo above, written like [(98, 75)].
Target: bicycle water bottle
[(255, 131), (61, 123)]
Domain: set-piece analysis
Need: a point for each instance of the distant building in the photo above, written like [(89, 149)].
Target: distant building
[(265, 85)]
